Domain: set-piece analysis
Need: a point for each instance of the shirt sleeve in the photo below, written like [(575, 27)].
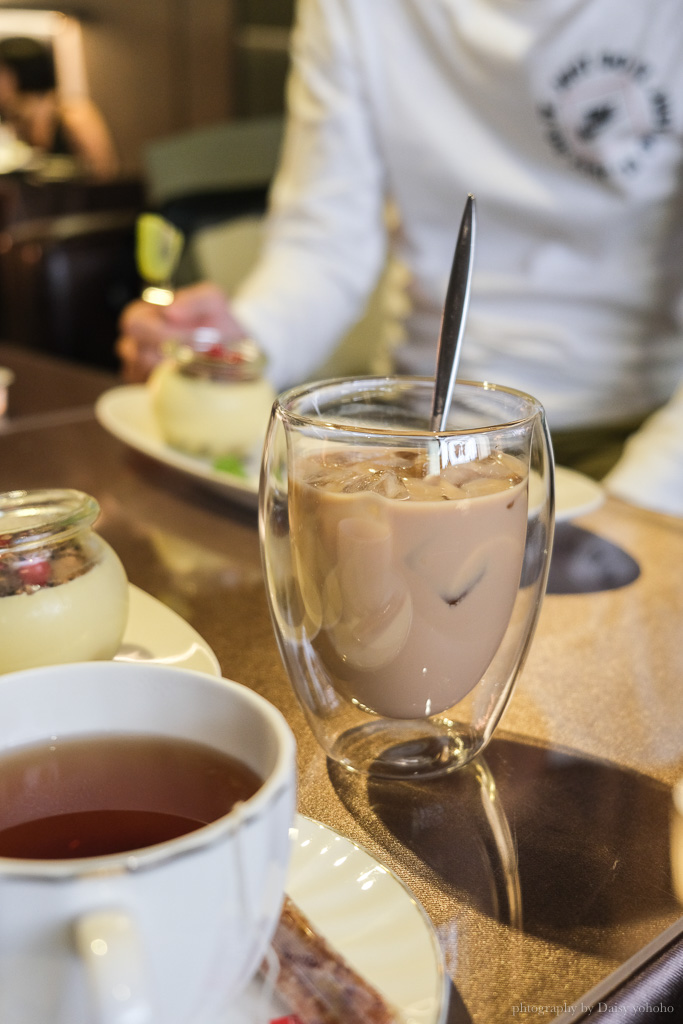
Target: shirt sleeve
[(325, 239), (650, 470)]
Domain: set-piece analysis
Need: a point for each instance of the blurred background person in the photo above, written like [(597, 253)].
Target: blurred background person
[(55, 126), (565, 120)]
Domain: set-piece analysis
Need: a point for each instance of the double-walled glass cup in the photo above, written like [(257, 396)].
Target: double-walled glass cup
[(405, 569)]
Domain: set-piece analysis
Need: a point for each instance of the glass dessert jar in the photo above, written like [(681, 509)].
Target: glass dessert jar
[(63, 590), (212, 400)]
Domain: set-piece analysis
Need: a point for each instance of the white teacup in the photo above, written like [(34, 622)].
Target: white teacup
[(171, 933)]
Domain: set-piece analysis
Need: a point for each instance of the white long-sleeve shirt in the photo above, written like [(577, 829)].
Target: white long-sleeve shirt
[(565, 119)]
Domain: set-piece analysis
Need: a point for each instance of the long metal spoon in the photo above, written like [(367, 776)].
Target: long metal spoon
[(454, 317)]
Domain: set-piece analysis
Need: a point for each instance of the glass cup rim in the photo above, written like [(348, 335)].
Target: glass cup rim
[(285, 405)]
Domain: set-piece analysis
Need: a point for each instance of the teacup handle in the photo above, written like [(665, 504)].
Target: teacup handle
[(109, 944)]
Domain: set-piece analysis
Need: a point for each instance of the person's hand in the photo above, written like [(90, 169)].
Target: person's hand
[(145, 327)]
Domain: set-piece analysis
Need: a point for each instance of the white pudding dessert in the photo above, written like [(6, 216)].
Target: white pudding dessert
[(63, 589), (211, 404)]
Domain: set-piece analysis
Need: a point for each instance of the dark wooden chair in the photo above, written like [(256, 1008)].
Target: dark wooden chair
[(29, 197), (64, 281)]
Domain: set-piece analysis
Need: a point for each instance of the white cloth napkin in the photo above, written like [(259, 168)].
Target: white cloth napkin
[(650, 471)]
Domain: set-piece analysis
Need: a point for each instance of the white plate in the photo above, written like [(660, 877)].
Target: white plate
[(126, 413), (155, 632), (575, 494), (371, 918), (15, 155)]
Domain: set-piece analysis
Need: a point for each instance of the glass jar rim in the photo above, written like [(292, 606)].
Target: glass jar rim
[(31, 517), (288, 404), (240, 362)]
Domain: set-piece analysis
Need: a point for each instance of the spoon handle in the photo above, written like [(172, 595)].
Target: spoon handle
[(454, 317)]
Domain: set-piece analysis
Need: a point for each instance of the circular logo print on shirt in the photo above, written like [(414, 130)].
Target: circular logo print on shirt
[(606, 115)]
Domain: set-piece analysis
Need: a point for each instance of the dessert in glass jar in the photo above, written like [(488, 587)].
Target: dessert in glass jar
[(63, 589), (211, 400)]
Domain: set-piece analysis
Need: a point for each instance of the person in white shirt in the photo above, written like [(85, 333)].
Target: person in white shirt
[(565, 119)]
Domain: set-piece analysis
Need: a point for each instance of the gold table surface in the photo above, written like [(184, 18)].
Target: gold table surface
[(544, 865)]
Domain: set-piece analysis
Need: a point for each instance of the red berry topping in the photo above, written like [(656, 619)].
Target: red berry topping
[(36, 573)]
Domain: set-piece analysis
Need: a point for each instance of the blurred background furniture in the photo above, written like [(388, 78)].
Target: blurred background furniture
[(260, 55), (202, 158), (225, 253), (64, 280), (163, 68), (221, 159), (211, 175), (67, 248), (27, 196), (197, 119)]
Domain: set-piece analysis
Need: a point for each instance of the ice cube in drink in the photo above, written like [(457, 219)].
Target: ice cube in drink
[(407, 577)]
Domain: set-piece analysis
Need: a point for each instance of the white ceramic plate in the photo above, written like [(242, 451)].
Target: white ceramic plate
[(575, 494), (155, 632), (15, 155), (370, 917), (126, 413)]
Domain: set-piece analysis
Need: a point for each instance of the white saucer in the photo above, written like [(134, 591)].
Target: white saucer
[(126, 412), (156, 633), (371, 918)]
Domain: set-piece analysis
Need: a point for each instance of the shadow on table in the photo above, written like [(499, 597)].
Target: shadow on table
[(457, 1011), (570, 850), (584, 563)]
